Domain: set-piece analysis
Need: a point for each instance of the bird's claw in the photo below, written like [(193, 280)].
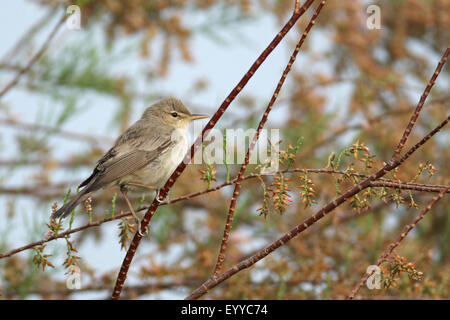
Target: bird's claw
[(163, 200), (138, 222)]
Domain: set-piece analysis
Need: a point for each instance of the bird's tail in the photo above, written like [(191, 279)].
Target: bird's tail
[(66, 209)]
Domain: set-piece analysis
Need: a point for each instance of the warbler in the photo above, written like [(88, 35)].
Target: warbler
[(143, 157)]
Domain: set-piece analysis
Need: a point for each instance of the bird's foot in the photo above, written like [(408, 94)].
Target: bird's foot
[(166, 198), (138, 223)]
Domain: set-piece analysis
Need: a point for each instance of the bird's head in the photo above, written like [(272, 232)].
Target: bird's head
[(171, 112)]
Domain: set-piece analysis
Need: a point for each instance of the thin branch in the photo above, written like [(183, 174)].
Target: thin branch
[(408, 186), (416, 113), (237, 89), (35, 58), (394, 245), (237, 186), (379, 183), (63, 234)]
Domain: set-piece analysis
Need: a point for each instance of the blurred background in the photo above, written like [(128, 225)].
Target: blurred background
[(350, 88)]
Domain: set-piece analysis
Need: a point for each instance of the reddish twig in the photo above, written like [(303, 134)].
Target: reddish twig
[(237, 187), (394, 245), (151, 210), (408, 186), (416, 113), (378, 183)]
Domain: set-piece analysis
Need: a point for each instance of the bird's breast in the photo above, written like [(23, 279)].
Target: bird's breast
[(161, 168)]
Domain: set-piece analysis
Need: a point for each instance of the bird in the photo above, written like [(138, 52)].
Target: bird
[(142, 157)]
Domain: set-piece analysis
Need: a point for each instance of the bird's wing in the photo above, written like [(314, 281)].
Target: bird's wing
[(113, 166), (105, 158), (124, 165)]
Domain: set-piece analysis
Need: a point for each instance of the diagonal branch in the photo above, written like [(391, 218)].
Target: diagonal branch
[(237, 187), (298, 12), (416, 113), (394, 245)]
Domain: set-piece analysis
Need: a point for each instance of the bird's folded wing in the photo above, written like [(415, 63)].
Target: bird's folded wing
[(123, 165)]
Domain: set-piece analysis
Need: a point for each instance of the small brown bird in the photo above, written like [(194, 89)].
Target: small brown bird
[(143, 157)]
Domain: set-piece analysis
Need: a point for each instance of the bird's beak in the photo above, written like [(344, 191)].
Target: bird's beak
[(197, 116)]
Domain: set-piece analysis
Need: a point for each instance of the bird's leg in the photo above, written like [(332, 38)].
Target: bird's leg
[(138, 221), (136, 184)]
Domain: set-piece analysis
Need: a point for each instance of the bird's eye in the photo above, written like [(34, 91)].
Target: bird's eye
[(174, 114)]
